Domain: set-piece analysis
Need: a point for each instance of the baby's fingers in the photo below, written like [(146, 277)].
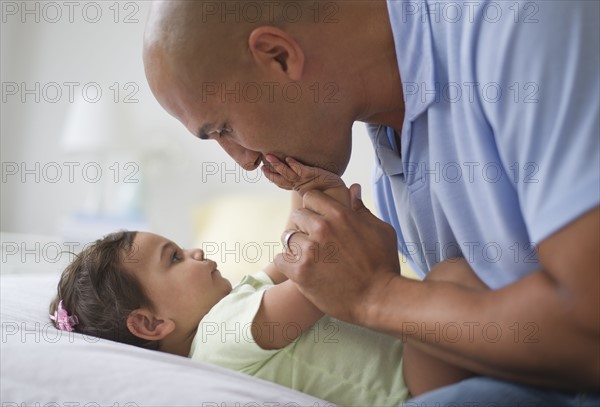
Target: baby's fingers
[(282, 168), (319, 177), (276, 178), (302, 171)]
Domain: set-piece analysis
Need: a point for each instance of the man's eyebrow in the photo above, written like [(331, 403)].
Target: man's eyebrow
[(202, 133)]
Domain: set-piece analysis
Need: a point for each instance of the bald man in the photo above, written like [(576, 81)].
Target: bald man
[(484, 117)]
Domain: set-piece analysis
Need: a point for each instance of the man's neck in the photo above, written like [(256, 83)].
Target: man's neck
[(378, 71)]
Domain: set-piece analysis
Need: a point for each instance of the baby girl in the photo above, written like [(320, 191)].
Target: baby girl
[(143, 289)]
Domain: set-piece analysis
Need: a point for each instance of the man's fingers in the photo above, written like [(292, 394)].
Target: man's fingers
[(286, 240), (356, 202), (305, 219), (321, 203), (294, 258), (283, 264), (317, 205)]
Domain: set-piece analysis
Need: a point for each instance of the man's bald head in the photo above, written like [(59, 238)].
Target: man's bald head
[(254, 53), (208, 39)]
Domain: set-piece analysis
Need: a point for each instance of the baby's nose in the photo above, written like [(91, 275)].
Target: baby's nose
[(197, 254)]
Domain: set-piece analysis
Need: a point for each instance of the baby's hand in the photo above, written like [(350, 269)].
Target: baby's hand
[(292, 174)]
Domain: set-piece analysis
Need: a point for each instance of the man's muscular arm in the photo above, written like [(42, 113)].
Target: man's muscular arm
[(542, 330)]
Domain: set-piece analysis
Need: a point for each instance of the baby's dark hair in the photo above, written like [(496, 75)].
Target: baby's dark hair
[(101, 293)]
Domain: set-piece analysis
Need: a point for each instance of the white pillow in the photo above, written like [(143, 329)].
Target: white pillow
[(46, 367)]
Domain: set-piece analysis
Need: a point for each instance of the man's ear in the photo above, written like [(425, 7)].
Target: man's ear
[(274, 49), (144, 324)]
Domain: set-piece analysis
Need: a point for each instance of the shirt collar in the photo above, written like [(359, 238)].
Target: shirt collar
[(388, 157)]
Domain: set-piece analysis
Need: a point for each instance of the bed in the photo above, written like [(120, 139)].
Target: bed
[(42, 366)]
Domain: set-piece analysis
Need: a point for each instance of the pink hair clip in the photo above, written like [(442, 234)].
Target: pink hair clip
[(62, 320)]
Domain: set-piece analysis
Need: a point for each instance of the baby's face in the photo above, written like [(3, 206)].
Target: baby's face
[(182, 284)]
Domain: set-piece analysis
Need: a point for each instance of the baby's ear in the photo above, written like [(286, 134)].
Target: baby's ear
[(144, 324)]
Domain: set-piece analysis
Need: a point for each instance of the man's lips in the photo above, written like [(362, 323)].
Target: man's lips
[(260, 160), (254, 165)]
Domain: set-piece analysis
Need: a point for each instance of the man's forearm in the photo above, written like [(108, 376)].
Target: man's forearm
[(524, 332)]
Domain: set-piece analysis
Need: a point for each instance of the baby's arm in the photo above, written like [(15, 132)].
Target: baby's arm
[(301, 178), (284, 306), (424, 372), (271, 270)]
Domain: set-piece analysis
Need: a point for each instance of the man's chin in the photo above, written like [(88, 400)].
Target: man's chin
[(334, 166)]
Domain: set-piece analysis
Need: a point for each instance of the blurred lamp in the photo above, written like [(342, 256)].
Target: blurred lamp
[(94, 127), (100, 133)]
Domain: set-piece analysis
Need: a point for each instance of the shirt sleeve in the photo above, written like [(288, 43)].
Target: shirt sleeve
[(224, 335), (539, 87)]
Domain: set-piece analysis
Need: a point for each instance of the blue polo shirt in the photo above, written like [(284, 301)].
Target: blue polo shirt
[(500, 145)]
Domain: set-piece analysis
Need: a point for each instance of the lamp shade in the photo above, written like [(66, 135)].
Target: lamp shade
[(95, 126)]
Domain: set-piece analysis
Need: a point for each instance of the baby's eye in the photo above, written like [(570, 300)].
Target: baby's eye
[(175, 257)]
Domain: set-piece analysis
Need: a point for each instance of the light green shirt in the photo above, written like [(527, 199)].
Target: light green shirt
[(342, 363)]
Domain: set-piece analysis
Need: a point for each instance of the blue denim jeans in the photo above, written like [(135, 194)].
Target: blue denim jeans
[(488, 392)]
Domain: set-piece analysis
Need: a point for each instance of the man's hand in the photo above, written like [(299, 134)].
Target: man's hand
[(344, 256)]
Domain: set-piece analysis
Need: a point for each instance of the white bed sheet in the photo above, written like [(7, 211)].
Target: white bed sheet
[(41, 366)]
